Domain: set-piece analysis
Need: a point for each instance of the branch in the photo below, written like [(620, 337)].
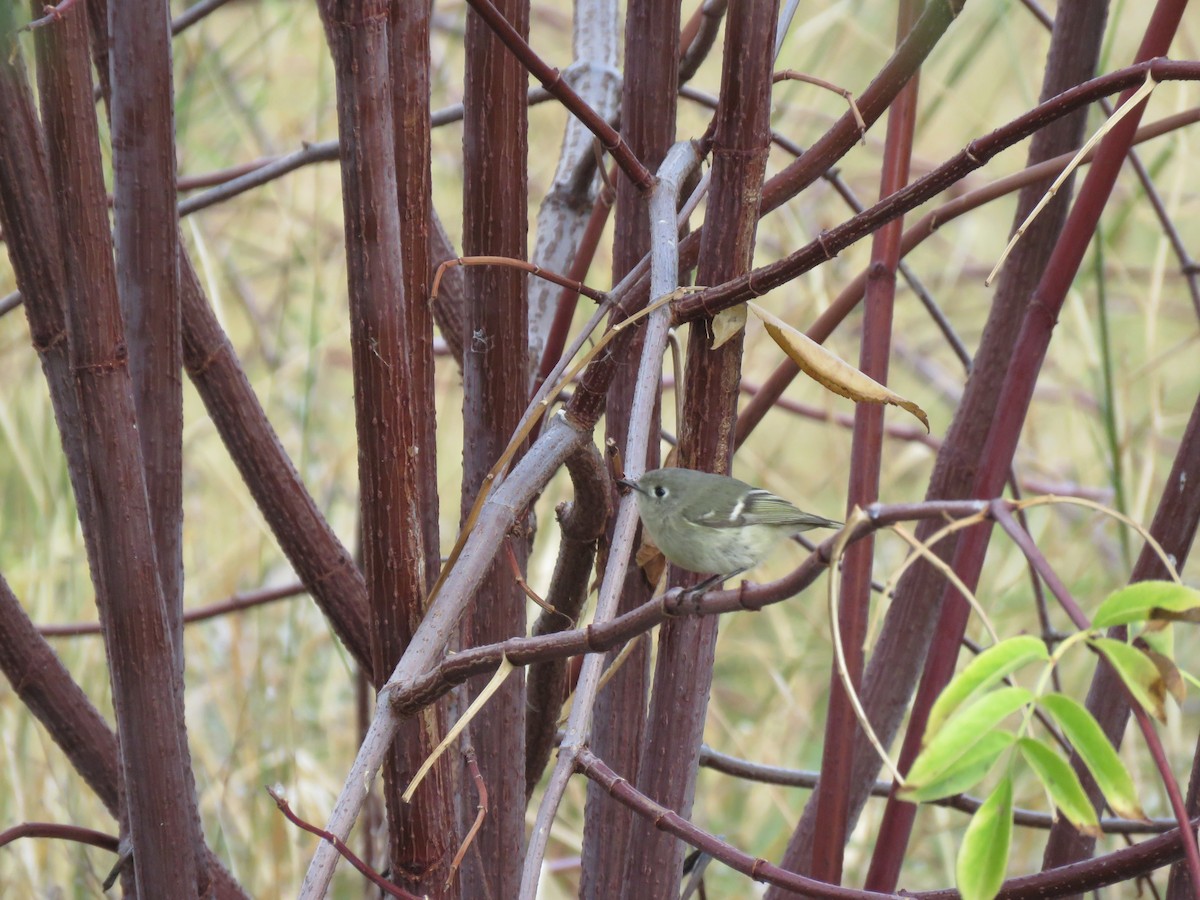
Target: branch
[(671, 822), (374, 877), (75, 833), (552, 80), (602, 636), (712, 300), (679, 162), (785, 777), (580, 524), (454, 592)]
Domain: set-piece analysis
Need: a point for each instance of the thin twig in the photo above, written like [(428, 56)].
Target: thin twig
[(237, 602), (801, 778), (524, 585), (89, 836), (561, 280), (375, 878), (9, 302), (481, 789), (552, 80), (52, 14), (793, 75), (194, 14)]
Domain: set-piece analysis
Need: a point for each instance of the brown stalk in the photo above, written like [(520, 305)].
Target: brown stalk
[(866, 460), (686, 647), (148, 695), (141, 110), (551, 79), (421, 833), (581, 522), (496, 376), (43, 684), (894, 667), (648, 106), (391, 349)]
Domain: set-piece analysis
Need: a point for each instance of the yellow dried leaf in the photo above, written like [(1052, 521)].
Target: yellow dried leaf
[(727, 323), (829, 370)]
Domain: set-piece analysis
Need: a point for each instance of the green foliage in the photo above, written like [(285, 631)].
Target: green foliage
[(965, 737), (1166, 600), (1085, 735), (963, 773), (962, 732), (1062, 784), (987, 669), (983, 858)]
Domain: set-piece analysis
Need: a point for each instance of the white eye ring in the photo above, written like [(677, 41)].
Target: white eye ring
[(660, 491)]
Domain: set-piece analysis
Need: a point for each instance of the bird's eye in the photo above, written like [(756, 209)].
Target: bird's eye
[(660, 491)]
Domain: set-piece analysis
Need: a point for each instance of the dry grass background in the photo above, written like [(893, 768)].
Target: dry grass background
[(270, 694)]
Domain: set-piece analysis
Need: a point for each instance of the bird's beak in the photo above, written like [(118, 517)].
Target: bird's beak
[(632, 485)]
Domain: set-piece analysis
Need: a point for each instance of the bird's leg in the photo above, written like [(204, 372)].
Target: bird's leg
[(712, 580), (698, 589)]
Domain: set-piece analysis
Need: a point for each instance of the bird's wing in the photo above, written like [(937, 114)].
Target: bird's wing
[(764, 508)]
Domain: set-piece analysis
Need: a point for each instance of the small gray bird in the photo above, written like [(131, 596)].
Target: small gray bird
[(713, 523)]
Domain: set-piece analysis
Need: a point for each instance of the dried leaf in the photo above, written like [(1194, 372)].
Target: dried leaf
[(829, 370), (651, 560), (727, 323), (1171, 676), (1138, 672)]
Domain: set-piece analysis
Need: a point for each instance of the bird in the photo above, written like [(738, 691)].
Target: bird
[(715, 524)]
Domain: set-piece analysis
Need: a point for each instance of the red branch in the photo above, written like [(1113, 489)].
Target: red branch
[(552, 80), (350, 856)]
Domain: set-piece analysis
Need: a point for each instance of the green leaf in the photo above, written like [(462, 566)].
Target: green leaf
[(964, 774), (1088, 740), (1138, 672), (983, 857), (1148, 600), (1061, 783), (985, 670), (964, 730)]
